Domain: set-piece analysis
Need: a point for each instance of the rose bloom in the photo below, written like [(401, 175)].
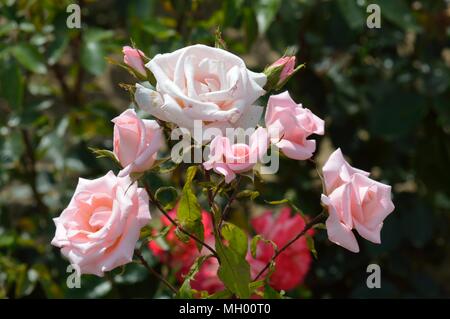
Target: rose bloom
[(292, 265), (133, 58), (181, 256), (203, 83), (99, 229), (353, 201), (136, 142), (290, 125), (230, 159)]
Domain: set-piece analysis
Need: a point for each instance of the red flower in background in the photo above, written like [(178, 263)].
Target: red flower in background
[(290, 269), (292, 265), (181, 256)]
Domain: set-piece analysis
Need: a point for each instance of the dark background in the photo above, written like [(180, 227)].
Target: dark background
[(384, 94)]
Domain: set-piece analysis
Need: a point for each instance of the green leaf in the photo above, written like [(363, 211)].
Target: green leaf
[(132, 274), (353, 14), (185, 291), (93, 57), (146, 232), (248, 193), (320, 226), (7, 240), (156, 29), (311, 246), (29, 57), (250, 26), (21, 274), (164, 166), (162, 233), (169, 201), (256, 240), (12, 148), (190, 175), (237, 239), (189, 212), (93, 50), (398, 13), (7, 28), (270, 293), (249, 174), (231, 10), (223, 294), (266, 11), (99, 153), (182, 236), (397, 113), (226, 294), (57, 48), (289, 202), (97, 35), (52, 290), (11, 84), (256, 284), (278, 202), (234, 270)]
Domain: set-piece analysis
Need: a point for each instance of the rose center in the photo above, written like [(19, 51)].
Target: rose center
[(99, 217)]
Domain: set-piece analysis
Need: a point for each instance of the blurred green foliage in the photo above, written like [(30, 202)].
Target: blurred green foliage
[(384, 94)]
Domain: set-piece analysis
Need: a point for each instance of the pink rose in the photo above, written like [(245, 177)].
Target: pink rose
[(100, 227), (133, 58), (136, 142), (354, 201), (288, 63), (289, 126), (293, 264), (229, 159), (202, 83)]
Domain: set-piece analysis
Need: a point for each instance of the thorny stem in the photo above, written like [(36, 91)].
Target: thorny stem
[(175, 223), (307, 227), (154, 272)]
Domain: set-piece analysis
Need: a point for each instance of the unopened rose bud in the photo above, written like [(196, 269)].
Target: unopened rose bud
[(279, 72), (134, 59), (288, 64)]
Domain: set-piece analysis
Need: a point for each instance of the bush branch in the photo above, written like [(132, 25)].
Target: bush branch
[(307, 227), (230, 201), (174, 222), (154, 272)]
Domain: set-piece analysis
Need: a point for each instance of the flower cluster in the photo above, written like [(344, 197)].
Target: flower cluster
[(99, 229)]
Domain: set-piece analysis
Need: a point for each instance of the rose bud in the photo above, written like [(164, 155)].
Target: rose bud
[(134, 59), (279, 72)]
